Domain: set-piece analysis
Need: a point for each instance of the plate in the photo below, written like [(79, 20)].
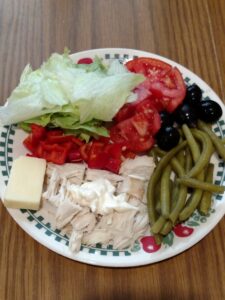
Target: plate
[(40, 226)]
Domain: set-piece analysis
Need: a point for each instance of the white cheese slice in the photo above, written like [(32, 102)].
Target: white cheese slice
[(25, 183)]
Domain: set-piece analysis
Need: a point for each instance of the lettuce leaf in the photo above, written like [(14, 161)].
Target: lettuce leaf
[(64, 94)]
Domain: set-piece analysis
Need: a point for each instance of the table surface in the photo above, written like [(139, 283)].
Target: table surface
[(190, 32)]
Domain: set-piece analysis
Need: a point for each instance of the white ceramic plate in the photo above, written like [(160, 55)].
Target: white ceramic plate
[(39, 224)]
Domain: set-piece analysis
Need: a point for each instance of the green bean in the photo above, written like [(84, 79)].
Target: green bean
[(175, 163), (191, 205), (214, 138), (206, 200), (158, 238), (223, 140), (157, 196), (157, 226), (200, 184), (154, 156), (194, 200), (159, 152), (191, 143), (207, 150), (188, 160), (155, 178), (165, 192), (179, 204), (167, 227), (181, 158), (174, 194), (181, 193)]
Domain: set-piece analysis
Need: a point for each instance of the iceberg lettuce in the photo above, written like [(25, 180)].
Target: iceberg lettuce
[(64, 94)]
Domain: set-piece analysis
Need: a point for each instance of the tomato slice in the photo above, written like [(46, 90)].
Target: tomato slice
[(134, 133), (164, 81)]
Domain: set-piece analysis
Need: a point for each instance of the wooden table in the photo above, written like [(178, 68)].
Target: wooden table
[(190, 32)]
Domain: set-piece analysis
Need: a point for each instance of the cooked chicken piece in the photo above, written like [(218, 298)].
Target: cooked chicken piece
[(134, 201), (75, 241), (73, 172), (93, 174), (140, 166), (106, 208), (123, 222), (84, 222), (105, 221), (102, 236), (67, 230), (65, 212), (52, 188), (122, 241), (132, 186), (140, 222)]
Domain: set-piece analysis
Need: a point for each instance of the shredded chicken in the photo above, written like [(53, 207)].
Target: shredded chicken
[(96, 206)]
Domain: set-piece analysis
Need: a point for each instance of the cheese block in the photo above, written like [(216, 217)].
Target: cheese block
[(25, 183)]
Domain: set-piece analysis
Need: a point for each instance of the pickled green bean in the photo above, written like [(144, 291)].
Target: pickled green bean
[(207, 150), (181, 195), (188, 160), (200, 184), (155, 178), (191, 205), (167, 227), (191, 143), (194, 200), (165, 192), (206, 200), (181, 158), (157, 226), (214, 138)]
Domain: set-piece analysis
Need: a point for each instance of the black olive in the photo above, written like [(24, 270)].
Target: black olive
[(167, 138), (186, 114), (193, 95), (209, 111), (166, 118)]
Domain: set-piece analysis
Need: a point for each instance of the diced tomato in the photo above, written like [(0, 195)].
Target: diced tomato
[(63, 139), (53, 152), (103, 139), (162, 80), (97, 157), (74, 155), (28, 143), (38, 133), (113, 164), (85, 150), (129, 154), (85, 60), (114, 150), (54, 132)]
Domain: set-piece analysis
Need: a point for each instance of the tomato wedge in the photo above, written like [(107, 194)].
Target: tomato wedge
[(164, 81), (134, 133)]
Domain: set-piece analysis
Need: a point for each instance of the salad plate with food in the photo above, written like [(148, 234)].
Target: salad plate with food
[(113, 157)]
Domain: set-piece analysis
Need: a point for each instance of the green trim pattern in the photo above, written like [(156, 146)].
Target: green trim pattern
[(6, 158)]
